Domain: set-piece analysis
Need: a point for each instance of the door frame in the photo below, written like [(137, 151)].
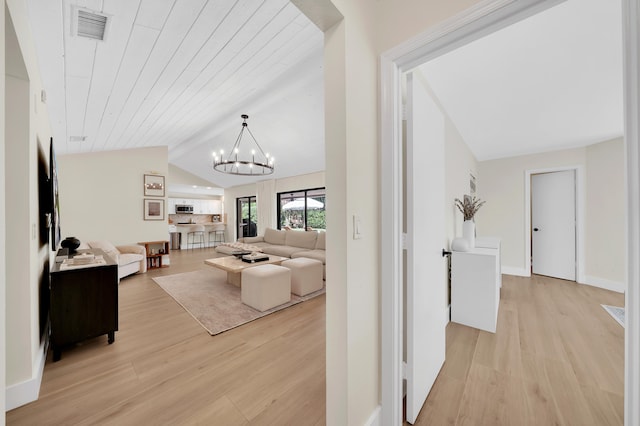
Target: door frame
[(473, 23), (580, 200)]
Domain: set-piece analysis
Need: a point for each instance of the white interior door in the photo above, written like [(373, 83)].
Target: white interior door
[(426, 314), (553, 223)]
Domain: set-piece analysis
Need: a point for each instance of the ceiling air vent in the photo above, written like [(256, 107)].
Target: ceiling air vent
[(77, 138), (90, 24)]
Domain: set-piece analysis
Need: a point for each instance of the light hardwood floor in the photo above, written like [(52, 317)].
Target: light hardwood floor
[(557, 358), (164, 368)]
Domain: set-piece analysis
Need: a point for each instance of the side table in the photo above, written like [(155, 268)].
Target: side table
[(156, 251)]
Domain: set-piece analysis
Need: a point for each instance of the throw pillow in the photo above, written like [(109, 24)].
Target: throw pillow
[(108, 248)]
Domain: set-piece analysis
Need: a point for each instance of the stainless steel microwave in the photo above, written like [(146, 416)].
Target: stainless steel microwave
[(184, 209)]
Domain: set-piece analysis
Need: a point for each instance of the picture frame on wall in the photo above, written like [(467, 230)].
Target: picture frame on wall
[(153, 209), (153, 186)]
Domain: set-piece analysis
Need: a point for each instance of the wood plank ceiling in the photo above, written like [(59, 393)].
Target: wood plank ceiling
[(179, 73)]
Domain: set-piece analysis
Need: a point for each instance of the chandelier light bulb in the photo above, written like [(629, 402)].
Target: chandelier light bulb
[(235, 150)]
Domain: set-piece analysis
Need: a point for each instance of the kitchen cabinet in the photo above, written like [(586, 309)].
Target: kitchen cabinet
[(475, 285), (197, 206), (211, 206), (200, 206)]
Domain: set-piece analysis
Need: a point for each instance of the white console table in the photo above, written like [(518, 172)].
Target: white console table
[(475, 285)]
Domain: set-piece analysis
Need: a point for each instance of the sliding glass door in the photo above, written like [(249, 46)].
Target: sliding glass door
[(247, 214)]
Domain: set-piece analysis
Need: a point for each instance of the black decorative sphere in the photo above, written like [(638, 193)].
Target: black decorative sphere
[(71, 243)]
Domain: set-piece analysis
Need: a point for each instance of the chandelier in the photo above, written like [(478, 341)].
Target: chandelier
[(246, 162)]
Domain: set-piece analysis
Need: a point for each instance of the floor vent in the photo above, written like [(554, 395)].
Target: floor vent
[(90, 24)]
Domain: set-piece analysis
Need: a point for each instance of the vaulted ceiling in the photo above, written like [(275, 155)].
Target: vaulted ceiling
[(180, 73)]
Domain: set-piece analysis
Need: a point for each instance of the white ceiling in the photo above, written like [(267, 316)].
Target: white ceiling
[(550, 82), (180, 73)]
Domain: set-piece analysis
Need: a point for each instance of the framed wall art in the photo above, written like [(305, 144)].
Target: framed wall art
[(153, 186), (153, 209)]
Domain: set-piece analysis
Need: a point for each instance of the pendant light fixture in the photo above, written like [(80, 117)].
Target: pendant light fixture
[(244, 160)]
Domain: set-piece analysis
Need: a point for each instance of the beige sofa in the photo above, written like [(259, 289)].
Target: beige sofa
[(291, 244), (131, 259)]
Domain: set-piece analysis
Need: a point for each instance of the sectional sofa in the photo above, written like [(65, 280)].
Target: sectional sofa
[(291, 244)]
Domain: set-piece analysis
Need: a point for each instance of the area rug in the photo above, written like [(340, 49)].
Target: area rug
[(616, 312), (214, 303)]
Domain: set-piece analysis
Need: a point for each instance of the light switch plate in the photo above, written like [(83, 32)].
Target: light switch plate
[(357, 224)]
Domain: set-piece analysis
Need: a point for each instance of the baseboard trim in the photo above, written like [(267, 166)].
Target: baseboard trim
[(604, 283), (519, 272), (28, 391), (374, 418)]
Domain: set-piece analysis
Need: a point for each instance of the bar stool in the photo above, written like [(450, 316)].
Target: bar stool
[(195, 235), (218, 233)]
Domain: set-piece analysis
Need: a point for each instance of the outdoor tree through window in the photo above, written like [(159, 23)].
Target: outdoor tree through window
[(304, 209)]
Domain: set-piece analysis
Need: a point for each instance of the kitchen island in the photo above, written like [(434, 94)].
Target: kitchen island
[(183, 229)]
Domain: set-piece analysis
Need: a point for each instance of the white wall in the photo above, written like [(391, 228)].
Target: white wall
[(605, 212), (26, 123), (293, 183), (101, 195), (353, 286), (178, 176), (179, 185), (502, 186), (19, 289), (352, 48)]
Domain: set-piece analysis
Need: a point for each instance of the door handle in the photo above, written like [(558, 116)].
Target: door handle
[(535, 229)]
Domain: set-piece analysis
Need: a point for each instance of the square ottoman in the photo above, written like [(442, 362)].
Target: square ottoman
[(306, 275), (265, 286)]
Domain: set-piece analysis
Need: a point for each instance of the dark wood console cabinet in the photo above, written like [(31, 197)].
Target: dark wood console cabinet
[(84, 303)]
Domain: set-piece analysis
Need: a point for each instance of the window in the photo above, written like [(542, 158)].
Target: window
[(303, 209), (247, 216)]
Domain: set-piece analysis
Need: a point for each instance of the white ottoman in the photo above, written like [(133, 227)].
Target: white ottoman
[(306, 275), (266, 286)]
